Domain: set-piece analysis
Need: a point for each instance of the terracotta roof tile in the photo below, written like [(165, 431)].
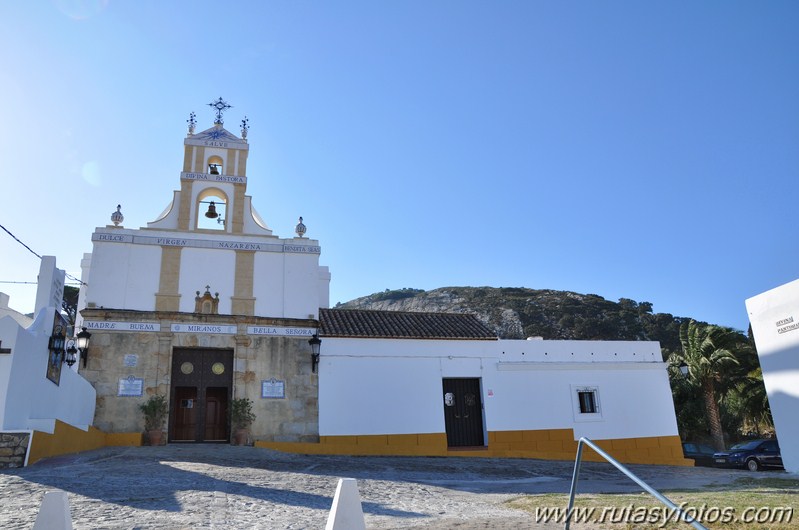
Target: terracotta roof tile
[(367, 323)]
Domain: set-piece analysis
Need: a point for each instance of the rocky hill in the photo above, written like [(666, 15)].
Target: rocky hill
[(517, 313)]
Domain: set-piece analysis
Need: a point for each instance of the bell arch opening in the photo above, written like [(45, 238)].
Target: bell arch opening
[(215, 164), (212, 209)]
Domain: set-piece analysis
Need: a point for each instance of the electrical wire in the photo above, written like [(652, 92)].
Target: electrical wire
[(68, 275), (20, 242)]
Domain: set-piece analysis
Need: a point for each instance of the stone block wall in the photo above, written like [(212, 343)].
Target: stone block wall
[(13, 448), (256, 358), (294, 418)]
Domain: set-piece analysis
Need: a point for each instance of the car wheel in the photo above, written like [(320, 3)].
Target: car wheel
[(752, 464)]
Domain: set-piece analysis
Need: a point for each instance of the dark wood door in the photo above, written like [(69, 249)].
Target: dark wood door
[(202, 380), (216, 414), (185, 412), (463, 412)]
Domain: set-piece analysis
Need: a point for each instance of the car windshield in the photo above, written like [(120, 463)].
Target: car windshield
[(745, 446)]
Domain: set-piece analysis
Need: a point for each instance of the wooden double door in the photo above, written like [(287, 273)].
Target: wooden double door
[(202, 382)]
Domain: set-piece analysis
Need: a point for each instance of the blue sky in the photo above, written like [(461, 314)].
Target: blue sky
[(646, 150)]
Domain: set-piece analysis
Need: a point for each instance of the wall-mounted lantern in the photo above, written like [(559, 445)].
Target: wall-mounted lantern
[(56, 344), (82, 339), (70, 359), (315, 343)]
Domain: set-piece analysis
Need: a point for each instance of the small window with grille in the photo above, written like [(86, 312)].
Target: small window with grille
[(587, 399), (586, 403)]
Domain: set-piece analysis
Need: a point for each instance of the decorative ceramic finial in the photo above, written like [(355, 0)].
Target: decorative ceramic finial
[(221, 106), (117, 216), (192, 121), (300, 229), (245, 126)]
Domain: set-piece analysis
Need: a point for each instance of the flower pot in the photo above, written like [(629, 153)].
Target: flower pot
[(155, 437), (240, 437)]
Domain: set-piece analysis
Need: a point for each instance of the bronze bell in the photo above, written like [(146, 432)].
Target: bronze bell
[(211, 213), (214, 169)]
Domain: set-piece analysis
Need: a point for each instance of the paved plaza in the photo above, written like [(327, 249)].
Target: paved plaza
[(222, 486)]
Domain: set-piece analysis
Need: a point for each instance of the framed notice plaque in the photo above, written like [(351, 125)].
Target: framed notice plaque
[(273, 389), (131, 386)]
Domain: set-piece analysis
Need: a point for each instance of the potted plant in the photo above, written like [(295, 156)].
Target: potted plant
[(241, 417), (155, 411)]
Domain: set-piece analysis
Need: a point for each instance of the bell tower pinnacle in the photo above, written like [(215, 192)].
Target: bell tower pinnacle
[(213, 183), (221, 106)]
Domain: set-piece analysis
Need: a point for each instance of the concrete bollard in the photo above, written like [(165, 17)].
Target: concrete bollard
[(54, 512), (346, 512)]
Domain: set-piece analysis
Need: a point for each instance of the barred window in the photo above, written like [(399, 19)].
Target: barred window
[(587, 399)]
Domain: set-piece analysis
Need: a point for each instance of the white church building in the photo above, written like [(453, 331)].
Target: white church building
[(206, 304)]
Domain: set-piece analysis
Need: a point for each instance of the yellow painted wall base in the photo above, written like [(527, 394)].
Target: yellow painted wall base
[(126, 439), (548, 444), (65, 439)]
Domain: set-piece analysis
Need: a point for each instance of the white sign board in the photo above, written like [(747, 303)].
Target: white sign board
[(106, 325), (214, 329), (223, 244), (273, 389), (278, 331), (131, 386), (774, 316)]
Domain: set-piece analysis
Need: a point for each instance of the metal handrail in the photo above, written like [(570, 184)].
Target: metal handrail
[(682, 514)]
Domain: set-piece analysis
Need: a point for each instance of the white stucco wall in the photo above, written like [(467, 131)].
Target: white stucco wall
[(268, 283), (123, 275), (205, 267), (324, 287), (126, 275), (28, 400), (301, 285), (775, 324), (373, 386)]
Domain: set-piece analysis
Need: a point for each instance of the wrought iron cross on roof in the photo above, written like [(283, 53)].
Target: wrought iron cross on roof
[(221, 106)]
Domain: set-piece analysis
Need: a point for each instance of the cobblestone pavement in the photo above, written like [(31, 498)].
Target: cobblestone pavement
[(221, 486)]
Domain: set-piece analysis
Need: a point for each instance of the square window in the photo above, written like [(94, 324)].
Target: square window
[(586, 403)]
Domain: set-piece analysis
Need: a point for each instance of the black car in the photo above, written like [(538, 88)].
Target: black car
[(753, 455), (701, 454)]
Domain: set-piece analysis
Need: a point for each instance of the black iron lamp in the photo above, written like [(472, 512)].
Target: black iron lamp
[(56, 342), (70, 358), (82, 339), (315, 343)]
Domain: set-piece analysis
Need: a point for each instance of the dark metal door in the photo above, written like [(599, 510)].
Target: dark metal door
[(463, 412), (202, 380)]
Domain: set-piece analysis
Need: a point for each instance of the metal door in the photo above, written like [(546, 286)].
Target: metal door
[(463, 412), (202, 380)]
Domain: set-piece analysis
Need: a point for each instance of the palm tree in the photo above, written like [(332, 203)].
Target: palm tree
[(707, 351), (749, 402)]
